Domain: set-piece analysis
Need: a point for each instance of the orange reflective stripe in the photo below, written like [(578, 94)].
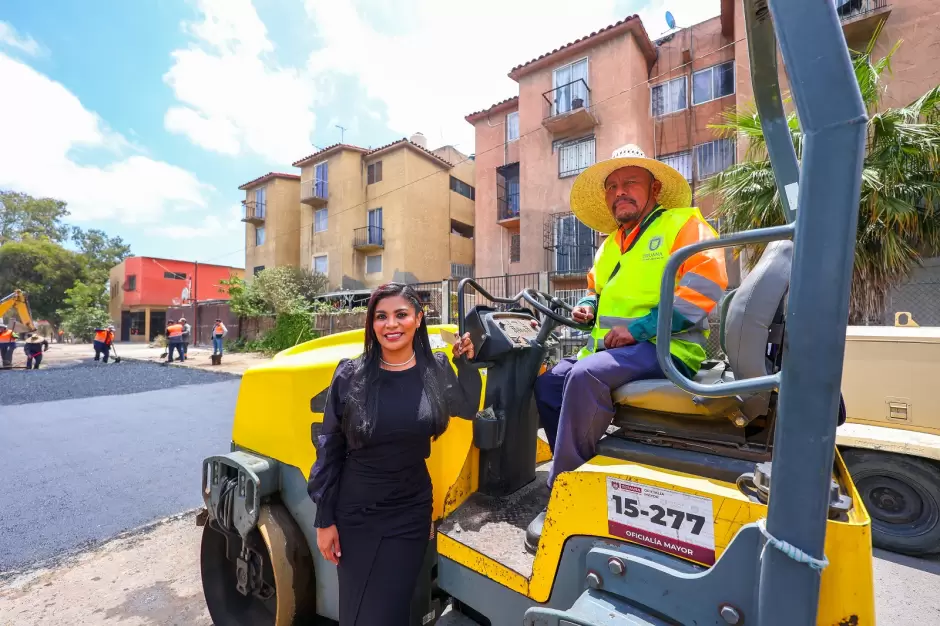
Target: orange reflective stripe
[(703, 302)]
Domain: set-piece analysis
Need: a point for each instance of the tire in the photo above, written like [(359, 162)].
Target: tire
[(902, 496), (287, 566)]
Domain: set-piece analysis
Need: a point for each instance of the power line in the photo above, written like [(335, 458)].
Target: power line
[(494, 148)]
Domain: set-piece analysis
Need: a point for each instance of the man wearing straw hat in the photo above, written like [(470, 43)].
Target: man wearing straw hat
[(643, 205)]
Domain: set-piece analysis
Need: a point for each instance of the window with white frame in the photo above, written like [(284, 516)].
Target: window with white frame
[(320, 220), (374, 264), (679, 161), (512, 126), (259, 235), (320, 264), (713, 82), (261, 201), (570, 87), (576, 156), (668, 97), (713, 157)]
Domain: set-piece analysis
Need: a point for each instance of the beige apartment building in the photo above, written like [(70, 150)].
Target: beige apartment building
[(272, 213), (399, 212), (616, 86)]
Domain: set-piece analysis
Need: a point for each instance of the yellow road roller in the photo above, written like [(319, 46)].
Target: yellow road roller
[(718, 499)]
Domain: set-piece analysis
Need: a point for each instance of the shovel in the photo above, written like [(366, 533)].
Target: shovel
[(116, 358)]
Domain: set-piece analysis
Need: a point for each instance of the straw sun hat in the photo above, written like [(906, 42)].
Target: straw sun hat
[(587, 195)]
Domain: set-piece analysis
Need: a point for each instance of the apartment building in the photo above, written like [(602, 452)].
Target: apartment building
[(578, 103), (272, 213), (398, 212)]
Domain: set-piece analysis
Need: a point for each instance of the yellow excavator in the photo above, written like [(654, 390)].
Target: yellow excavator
[(719, 499), (18, 301)]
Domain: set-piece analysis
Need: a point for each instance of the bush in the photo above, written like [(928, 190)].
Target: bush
[(289, 330), (275, 290)]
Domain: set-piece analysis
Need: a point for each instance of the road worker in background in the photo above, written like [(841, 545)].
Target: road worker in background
[(7, 345), (187, 337), (174, 339), (35, 346), (218, 333), (644, 205), (104, 337)]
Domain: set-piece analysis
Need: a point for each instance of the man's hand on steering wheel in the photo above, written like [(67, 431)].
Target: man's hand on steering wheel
[(582, 314), (617, 337)]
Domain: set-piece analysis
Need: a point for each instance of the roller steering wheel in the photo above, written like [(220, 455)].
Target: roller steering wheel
[(532, 297)]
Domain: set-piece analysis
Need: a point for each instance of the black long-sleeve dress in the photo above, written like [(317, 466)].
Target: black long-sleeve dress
[(379, 493)]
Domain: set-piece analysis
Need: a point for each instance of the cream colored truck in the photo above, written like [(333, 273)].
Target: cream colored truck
[(891, 440)]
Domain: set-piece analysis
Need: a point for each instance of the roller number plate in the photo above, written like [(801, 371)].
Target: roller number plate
[(669, 521)]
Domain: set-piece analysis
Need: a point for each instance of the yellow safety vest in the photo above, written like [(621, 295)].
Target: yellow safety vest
[(634, 290)]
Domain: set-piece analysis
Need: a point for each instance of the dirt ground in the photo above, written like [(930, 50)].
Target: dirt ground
[(146, 577)]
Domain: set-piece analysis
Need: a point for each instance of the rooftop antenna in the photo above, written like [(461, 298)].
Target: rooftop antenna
[(342, 132)]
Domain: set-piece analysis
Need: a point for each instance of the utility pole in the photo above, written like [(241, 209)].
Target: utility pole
[(342, 133)]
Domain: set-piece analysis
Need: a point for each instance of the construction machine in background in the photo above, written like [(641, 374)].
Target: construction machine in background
[(715, 500), (17, 301)]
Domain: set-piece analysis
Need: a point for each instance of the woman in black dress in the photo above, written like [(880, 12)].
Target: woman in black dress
[(370, 481)]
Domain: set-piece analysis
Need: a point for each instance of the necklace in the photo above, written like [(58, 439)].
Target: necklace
[(410, 359)]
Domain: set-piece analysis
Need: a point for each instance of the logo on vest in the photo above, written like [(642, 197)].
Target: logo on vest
[(654, 251)]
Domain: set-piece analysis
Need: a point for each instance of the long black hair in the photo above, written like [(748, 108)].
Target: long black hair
[(363, 399)]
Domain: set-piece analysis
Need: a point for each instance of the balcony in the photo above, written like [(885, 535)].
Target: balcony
[(314, 192), (569, 108), (369, 238), (254, 212), (507, 196), (860, 18)]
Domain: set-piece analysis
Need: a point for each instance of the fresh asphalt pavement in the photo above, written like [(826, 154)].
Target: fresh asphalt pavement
[(80, 470)]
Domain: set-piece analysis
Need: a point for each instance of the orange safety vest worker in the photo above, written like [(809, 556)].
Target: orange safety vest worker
[(174, 330), (6, 336), (104, 336), (219, 330)]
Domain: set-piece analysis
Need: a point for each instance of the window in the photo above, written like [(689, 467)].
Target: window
[(575, 157), (461, 270), (375, 232), (320, 264), (514, 245), (668, 97), (460, 229), (170, 275), (261, 201), (375, 172), (713, 82), (374, 264), (574, 245), (258, 269), (320, 220), (321, 180), (507, 192), (462, 188), (138, 323), (679, 161), (259, 235), (713, 157), (512, 126), (570, 88), (131, 283)]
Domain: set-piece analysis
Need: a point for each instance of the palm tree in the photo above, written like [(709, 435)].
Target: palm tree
[(899, 213)]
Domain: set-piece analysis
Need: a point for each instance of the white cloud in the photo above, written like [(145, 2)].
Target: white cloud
[(43, 128), (211, 226), (9, 37), (232, 98), (453, 59)]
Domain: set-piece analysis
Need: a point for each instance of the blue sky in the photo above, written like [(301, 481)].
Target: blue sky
[(146, 116)]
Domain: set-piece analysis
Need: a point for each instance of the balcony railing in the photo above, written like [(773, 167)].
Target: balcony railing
[(508, 207), (314, 192), (569, 108), (369, 238), (254, 211), (856, 8)]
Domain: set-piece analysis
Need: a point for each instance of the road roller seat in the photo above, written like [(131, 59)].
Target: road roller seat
[(751, 334)]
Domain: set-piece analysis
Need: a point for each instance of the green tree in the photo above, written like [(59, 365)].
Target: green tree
[(100, 252), (899, 220), (44, 270), (23, 217), (275, 290), (82, 312)]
